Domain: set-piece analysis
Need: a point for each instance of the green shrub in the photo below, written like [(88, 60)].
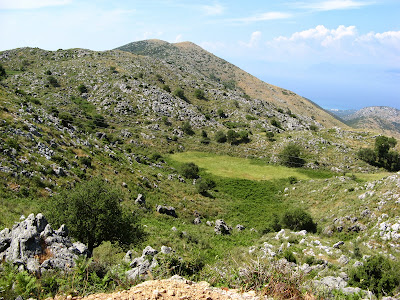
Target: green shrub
[(53, 81), (180, 93), (290, 156), (221, 114), (220, 137), (378, 275), (93, 214), (187, 128), (3, 73), (199, 94), (82, 89), (166, 88), (189, 170), (289, 256), (203, 185), (297, 219), (276, 123)]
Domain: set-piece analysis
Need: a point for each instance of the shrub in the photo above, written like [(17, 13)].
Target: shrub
[(220, 137), (220, 113), (204, 184), (378, 275), (276, 123), (297, 219), (187, 128), (199, 94), (166, 88), (99, 121), (189, 170), (180, 93), (93, 214), (313, 127), (290, 156), (270, 136), (3, 73), (273, 225), (53, 81), (82, 89)]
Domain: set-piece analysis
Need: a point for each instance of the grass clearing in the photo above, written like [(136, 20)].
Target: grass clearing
[(244, 168)]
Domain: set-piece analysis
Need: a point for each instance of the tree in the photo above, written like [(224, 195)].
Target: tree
[(298, 219), (204, 184), (93, 214), (82, 89), (290, 156), (190, 170), (3, 73), (199, 94), (220, 137), (53, 81), (187, 128), (180, 93)]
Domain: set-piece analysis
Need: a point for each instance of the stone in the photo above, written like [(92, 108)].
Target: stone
[(140, 199), (338, 244), (240, 227), (149, 251), (197, 221), (221, 227), (167, 210)]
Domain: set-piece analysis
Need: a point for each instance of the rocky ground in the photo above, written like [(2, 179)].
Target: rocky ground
[(174, 288)]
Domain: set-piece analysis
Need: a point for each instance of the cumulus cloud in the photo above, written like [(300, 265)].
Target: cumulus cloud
[(334, 5), (254, 40), (212, 10), (268, 16), (343, 44), (31, 4)]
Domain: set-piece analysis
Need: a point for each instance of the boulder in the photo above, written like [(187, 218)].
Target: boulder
[(35, 246), (221, 227), (166, 210), (141, 200)]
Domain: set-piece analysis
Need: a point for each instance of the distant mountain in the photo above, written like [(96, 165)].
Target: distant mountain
[(192, 58), (342, 113), (381, 119)]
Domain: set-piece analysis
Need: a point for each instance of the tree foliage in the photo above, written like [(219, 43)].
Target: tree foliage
[(291, 156), (298, 219), (189, 170), (220, 137), (93, 214), (2, 72), (382, 155)]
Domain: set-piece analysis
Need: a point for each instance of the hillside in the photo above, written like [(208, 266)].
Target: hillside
[(133, 122), (190, 56), (380, 119)]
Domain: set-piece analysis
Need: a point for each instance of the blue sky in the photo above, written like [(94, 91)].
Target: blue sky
[(338, 53)]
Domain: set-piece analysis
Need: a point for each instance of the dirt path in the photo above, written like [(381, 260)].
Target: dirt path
[(173, 288)]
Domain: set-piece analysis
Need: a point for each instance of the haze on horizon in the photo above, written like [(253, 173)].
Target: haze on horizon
[(338, 53)]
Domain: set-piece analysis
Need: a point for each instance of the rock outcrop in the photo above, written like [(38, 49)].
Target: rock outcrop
[(33, 245)]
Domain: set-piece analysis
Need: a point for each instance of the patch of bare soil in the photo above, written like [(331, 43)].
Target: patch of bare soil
[(174, 288)]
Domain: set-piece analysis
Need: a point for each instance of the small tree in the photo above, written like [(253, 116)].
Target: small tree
[(3, 73), (187, 128), (298, 219), (291, 156), (53, 81), (199, 94), (204, 184), (190, 170), (82, 89), (93, 214), (220, 137), (180, 93)]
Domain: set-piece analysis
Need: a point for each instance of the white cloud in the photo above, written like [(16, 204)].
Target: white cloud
[(254, 40), (268, 16), (31, 4), (334, 5), (213, 10), (179, 38), (340, 45)]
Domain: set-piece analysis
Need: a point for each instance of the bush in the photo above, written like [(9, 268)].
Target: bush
[(297, 219), (180, 93), (82, 89), (290, 156), (166, 88), (199, 94), (93, 214), (189, 170), (221, 114), (378, 275), (187, 128), (3, 73), (204, 184), (220, 137), (53, 81), (276, 123)]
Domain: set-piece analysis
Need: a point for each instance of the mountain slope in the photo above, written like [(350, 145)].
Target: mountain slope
[(190, 56), (381, 119)]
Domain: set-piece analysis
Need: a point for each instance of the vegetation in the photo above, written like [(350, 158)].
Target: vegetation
[(381, 155), (93, 214), (290, 156), (2, 72), (189, 170)]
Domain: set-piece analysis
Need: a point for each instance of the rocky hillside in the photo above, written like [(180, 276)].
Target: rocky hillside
[(189, 56), (381, 119)]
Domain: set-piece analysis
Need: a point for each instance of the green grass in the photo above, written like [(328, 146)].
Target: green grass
[(243, 168)]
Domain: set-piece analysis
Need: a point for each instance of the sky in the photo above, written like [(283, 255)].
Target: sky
[(341, 54)]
